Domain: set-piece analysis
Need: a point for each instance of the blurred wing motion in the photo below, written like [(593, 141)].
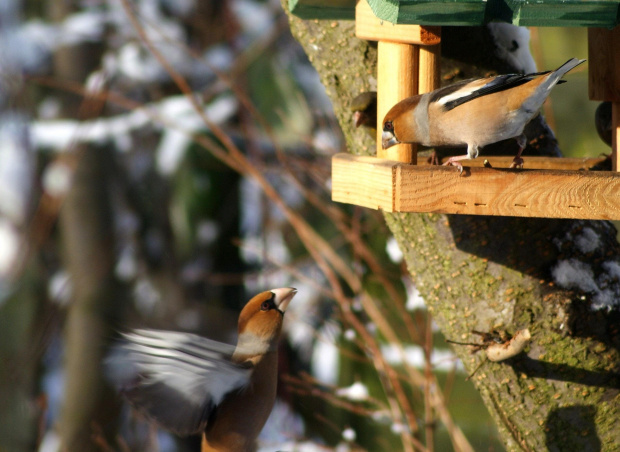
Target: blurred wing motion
[(175, 378)]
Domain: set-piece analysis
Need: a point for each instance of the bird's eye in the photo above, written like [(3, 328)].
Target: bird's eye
[(265, 306), (388, 126)]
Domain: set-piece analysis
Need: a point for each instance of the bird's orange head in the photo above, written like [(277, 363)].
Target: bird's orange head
[(399, 125), (260, 321)]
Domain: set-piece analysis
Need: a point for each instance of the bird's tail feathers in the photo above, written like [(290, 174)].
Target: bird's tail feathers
[(568, 66)]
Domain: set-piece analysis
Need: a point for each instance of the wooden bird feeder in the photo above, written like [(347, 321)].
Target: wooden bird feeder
[(408, 34)]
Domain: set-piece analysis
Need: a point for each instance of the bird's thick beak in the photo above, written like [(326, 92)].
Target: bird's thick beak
[(283, 297), (388, 139), (357, 118)]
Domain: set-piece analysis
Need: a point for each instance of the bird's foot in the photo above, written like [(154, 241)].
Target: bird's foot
[(456, 163), (433, 159), (517, 163)]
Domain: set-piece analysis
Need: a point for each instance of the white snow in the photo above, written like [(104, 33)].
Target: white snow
[(126, 267), (441, 359), (414, 299), (350, 334), (175, 114), (85, 26), (587, 241), (283, 425), (393, 251), (348, 434), (16, 168), (57, 178), (254, 18), (325, 362), (206, 232), (612, 268), (357, 392), (146, 296), (574, 274), (325, 141), (60, 288), (10, 240)]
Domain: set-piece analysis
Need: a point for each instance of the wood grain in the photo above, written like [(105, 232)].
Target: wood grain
[(571, 164), (370, 27), (429, 75), (604, 64), (366, 180), (397, 66), (478, 191), (615, 133)]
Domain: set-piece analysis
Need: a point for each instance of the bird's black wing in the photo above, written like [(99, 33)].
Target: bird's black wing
[(458, 93), (176, 379)]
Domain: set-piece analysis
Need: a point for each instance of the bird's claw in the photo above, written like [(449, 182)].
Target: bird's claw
[(455, 163), (517, 163)]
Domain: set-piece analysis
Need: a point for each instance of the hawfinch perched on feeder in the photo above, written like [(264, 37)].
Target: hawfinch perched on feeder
[(472, 112), (191, 385)]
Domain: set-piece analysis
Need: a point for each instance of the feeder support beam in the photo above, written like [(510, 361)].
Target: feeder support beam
[(408, 64)]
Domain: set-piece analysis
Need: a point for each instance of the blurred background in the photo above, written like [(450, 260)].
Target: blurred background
[(161, 161)]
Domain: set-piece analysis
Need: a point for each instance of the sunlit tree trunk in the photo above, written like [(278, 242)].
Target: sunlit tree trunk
[(481, 273)]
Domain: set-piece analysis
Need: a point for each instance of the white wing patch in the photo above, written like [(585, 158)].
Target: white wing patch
[(465, 91), (176, 378)]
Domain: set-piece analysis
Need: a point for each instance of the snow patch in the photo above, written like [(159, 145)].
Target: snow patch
[(393, 251), (441, 359), (10, 240), (587, 241), (414, 299), (60, 288), (357, 392), (612, 268), (574, 274), (348, 434), (325, 361)]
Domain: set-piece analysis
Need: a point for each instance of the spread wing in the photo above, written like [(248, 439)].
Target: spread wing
[(175, 378), (457, 94)]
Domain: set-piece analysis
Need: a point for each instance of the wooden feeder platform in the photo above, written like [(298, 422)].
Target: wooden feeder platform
[(409, 34)]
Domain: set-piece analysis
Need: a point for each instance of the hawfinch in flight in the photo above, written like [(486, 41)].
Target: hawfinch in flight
[(192, 385), (472, 112)]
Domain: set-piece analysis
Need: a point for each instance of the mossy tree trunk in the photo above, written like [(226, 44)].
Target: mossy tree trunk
[(485, 273)]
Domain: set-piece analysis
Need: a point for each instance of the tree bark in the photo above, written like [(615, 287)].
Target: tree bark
[(90, 406), (484, 273)]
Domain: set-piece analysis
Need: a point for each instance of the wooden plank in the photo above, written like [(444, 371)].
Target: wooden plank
[(478, 191), (570, 164), (504, 192), (604, 64), (397, 68), (370, 27), (363, 181), (429, 75), (323, 9), (615, 133)]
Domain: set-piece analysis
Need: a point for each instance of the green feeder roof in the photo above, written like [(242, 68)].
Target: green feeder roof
[(543, 13)]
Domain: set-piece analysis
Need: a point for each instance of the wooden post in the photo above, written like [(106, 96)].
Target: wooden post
[(615, 134), (604, 78), (405, 67), (429, 77), (396, 68)]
